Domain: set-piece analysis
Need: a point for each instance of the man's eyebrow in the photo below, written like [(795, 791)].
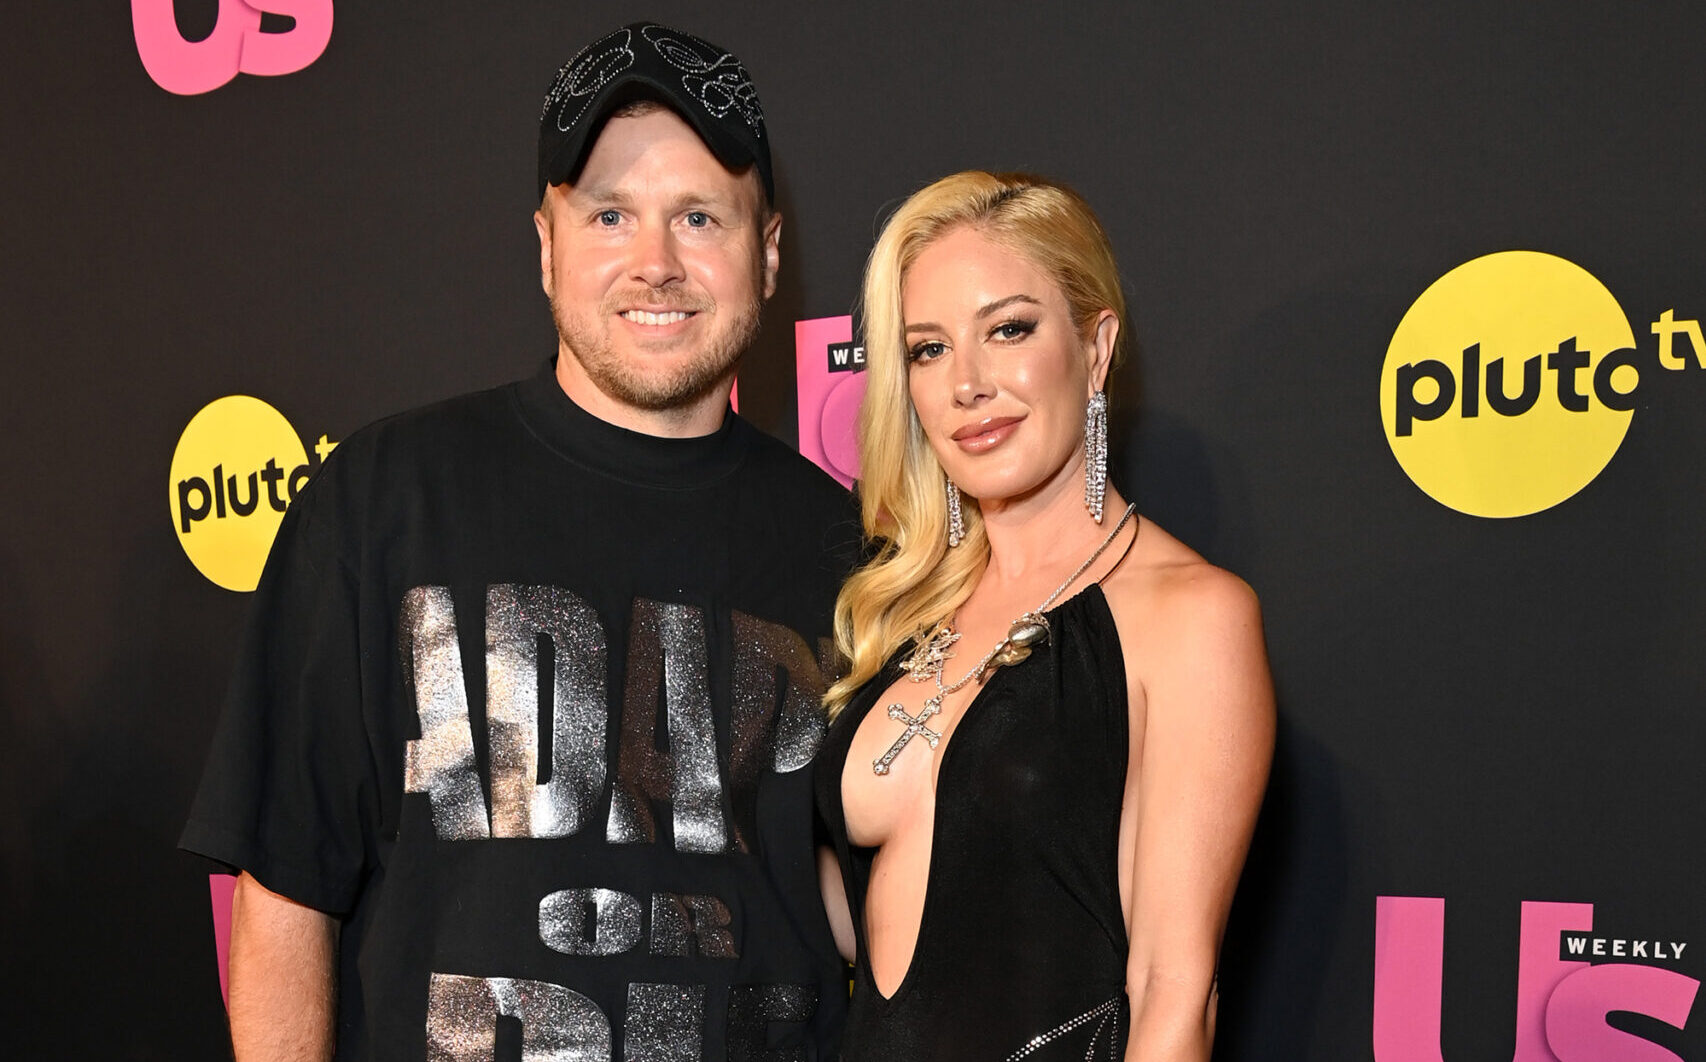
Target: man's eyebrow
[(983, 311), (725, 207), (601, 193)]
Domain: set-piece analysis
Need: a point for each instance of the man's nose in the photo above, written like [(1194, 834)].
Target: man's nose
[(656, 258)]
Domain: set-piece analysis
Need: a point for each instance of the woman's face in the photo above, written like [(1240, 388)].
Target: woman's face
[(998, 371)]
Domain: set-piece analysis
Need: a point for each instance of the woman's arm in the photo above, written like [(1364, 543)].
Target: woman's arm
[(1203, 731)]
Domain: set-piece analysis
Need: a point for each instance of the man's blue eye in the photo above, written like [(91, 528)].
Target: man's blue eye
[(609, 217), (698, 219)]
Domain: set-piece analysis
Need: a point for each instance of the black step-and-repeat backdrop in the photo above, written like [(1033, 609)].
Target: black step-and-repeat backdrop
[(1418, 291)]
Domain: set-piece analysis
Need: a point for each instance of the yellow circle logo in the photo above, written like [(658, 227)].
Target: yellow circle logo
[(236, 468), (1509, 384)]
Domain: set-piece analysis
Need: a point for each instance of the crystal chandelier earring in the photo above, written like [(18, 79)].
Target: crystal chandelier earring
[(1096, 454), (956, 522)]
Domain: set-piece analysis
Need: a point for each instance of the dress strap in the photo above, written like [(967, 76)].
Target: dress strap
[(1136, 527)]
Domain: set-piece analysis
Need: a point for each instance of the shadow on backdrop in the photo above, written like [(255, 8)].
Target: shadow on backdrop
[(767, 386), (109, 821), (1288, 911)]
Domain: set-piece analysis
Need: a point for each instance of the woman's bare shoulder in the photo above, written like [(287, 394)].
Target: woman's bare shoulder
[(1184, 623), (1164, 582)]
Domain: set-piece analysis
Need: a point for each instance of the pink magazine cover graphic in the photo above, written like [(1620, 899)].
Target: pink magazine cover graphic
[(829, 370), (236, 45), (1561, 1004), (222, 887)]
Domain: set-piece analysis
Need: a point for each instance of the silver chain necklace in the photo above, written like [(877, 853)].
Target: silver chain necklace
[(930, 659)]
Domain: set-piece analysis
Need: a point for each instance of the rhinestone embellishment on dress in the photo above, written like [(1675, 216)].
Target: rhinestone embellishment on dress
[(1105, 1011)]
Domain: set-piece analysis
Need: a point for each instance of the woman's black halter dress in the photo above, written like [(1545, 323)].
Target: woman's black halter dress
[(1021, 947)]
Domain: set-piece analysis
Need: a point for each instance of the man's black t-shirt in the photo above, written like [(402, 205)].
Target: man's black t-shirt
[(528, 701)]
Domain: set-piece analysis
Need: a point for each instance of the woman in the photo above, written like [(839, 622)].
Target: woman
[(1046, 760)]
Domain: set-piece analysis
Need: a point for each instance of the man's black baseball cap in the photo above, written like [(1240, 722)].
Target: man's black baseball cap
[(703, 83)]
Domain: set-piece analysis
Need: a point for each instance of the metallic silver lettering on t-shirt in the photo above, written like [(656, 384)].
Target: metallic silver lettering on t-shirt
[(778, 720), (664, 1023), (557, 1024), (778, 696), (440, 763), (589, 921), (516, 617), (752, 1009), (671, 932), (830, 663), (682, 923), (667, 653)]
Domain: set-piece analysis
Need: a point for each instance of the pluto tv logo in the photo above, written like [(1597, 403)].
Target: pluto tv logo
[(264, 37), (1570, 979), (237, 467), (1511, 382)]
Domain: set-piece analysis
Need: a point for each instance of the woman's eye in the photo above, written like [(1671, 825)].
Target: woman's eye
[(926, 350), (1014, 329), (609, 217)]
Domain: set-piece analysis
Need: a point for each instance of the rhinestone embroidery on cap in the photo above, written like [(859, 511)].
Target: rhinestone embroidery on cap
[(590, 70), (718, 82), (1103, 1011)]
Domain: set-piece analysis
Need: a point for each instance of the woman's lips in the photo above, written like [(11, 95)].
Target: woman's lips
[(985, 434)]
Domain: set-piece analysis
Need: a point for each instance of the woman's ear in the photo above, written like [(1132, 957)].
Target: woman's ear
[(1103, 336)]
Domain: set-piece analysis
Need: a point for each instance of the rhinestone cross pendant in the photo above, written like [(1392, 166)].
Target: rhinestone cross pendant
[(914, 728)]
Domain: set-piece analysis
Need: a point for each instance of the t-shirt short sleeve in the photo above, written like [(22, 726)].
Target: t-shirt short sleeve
[(288, 793)]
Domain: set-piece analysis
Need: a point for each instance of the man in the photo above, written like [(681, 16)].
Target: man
[(514, 761)]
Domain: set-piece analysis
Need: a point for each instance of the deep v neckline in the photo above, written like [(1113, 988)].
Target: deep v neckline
[(948, 743), (945, 748), (1028, 934)]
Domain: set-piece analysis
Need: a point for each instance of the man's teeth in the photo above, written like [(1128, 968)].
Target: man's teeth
[(646, 317)]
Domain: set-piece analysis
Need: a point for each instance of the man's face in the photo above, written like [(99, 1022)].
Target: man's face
[(657, 260)]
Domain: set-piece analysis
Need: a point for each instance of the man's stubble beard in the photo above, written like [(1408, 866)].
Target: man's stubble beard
[(684, 383)]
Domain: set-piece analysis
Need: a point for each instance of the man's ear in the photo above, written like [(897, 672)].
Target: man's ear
[(772, 251), (542, 222)]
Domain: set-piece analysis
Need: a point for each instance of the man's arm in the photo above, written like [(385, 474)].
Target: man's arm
[(835, 903), (283, 971)]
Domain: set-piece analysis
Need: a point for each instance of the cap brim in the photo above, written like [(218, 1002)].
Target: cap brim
[(570, 153)]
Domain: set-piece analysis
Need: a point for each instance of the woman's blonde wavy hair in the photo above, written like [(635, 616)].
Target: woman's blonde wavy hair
[(913, 581)]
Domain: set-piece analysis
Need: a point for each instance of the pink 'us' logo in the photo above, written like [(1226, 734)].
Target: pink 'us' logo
[(236, 45), (1561, 1003)]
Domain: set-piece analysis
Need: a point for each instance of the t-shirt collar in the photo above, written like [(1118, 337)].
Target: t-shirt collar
[(620, 453)]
